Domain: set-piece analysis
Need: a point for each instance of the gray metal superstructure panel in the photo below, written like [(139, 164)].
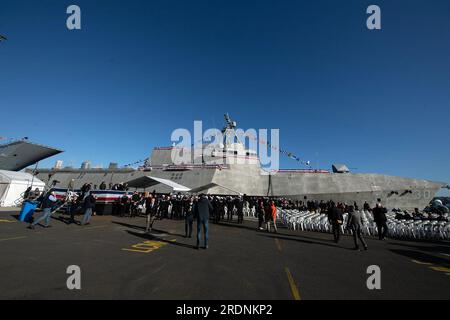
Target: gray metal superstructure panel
[(18, 155)]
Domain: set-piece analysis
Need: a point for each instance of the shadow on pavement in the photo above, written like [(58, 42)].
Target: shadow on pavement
[(422, 257), (142, 228), (153, 237), (65, 220), (132, 226), (298, 239), (440, 247), (15, 216), (302, 235), (234, 225)]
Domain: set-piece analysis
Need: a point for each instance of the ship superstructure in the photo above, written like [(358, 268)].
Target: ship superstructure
[(229, 168)]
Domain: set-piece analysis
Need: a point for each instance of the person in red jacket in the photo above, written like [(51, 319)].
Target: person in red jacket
[(271, 213)]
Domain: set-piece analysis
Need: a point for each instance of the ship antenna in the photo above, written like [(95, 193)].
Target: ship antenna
[(230, 126)]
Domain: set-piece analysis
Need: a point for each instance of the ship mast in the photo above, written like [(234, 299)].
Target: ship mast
[(229, 130)]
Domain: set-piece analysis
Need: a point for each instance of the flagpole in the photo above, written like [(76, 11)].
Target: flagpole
[(34, 172)]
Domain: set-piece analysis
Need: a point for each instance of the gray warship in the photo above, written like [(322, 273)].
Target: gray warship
[(231, 177)]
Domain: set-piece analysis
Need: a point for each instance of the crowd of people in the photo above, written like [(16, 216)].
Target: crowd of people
[(177, 206), (205, 208), (154, 206)]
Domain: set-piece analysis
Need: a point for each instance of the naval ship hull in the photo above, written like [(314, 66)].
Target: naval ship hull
[(394, 192)]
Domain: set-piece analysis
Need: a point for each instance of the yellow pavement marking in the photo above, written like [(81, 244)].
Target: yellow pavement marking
[(132, 250), (15, 238), (294, 289), (6, 221), (420, 262), (441, 269), (434, 267), (146, 246), (278, 243)]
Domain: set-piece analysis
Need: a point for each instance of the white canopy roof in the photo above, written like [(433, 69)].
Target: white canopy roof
[(147, 181), (14, 176), (13, 185)]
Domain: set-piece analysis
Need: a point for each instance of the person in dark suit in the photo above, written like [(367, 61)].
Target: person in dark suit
[(230, 208), (203, 209), (379, 216), (239, 204), (336, 218), (366, 206), (163, 205), (261, 213), (189, 218), (355, 224), (123, 204), (151, 209), (88, 207), (72, 207)]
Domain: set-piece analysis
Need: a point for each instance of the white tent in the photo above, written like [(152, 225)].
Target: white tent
[(13, 184)]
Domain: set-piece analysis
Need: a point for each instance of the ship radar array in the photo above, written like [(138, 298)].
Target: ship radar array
[(231, 125)]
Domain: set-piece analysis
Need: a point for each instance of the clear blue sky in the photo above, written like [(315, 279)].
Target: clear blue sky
[(378, 101)]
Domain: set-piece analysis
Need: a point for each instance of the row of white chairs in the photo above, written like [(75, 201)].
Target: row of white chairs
[(398, 229)]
